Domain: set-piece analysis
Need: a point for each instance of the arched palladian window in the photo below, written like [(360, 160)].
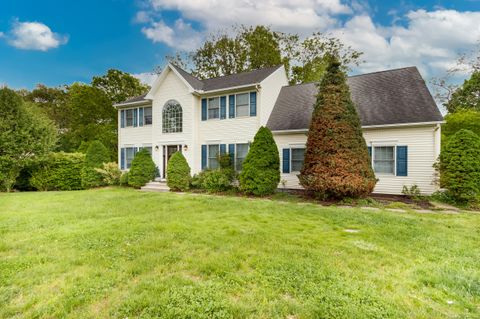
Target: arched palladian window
[(172, 117)]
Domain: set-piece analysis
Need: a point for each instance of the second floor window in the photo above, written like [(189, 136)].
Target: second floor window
[(172, 121), (242, 105), (214, 108), (147, 116), (129, 117)]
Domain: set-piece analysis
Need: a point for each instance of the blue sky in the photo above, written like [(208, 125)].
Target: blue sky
[(60, 42)]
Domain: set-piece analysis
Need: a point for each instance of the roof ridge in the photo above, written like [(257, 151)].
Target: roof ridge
[(383, 71), (244, 72)]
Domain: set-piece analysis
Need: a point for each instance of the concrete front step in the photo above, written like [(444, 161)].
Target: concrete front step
[(156, 187)]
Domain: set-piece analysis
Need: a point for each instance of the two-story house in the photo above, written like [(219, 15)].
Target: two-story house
[(205, 118)]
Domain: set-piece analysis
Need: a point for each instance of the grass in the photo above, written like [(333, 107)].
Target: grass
[(122, 253)]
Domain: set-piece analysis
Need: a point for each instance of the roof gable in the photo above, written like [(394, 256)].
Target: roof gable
[(390, 97)]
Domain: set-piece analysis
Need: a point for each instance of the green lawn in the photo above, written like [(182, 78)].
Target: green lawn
[(122, 253)]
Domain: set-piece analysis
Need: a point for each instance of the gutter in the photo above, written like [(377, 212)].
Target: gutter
[(232, 88), (132, 103), (437, 123)]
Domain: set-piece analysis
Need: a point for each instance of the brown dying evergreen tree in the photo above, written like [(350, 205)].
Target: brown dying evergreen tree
[(337, 163)]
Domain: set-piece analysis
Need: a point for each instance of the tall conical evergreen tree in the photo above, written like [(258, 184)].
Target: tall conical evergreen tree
[(337, 163), (261, 169)]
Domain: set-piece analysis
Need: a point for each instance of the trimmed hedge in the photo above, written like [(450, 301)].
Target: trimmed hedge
[(142, 170), (260, 173), (58, 171), (459, 165), (97, 154), (178, 173)]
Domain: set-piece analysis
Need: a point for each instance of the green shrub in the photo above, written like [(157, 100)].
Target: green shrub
[(9, 171), (97, 154), (58, 171), (142, 170), (111, 173), (217, 180), (260, 173), (124, 179), (336, 163), (459, 166), (178, 173), (225, 161)]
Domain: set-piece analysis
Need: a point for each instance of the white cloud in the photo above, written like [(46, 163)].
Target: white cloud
[(146, 77), (430, 40), (300, 16), (34, 36), (181, 35)]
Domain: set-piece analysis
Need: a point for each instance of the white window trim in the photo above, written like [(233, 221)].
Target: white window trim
[(291, 157), (373, 145)]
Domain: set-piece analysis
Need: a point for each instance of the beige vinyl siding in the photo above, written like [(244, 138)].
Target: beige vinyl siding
[(270, 89), (423, 146), (133, 136)]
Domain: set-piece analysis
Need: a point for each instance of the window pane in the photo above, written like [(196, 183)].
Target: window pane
[(213, 156), (298, 155), (214, 108), (147, 115), (242, 110), (384, 153), (240, 155), (383, 161), (129, 117), (242, 107)]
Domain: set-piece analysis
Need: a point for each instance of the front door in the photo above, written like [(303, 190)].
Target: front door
[(168, 151)]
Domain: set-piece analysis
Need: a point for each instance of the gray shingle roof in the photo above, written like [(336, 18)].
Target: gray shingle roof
[(227, 81), (218, 83), (193, 81), (388, 97), (134, 99)]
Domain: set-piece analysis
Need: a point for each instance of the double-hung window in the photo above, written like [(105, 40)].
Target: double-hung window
[(384, 159), (129, 155), (213, 152), (129, 117), (298, 155), (147, 116), (242, 107), (240, 155), (214, 108)]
